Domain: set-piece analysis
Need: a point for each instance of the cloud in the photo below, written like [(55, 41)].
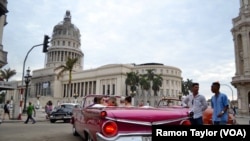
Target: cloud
[(192, 35)]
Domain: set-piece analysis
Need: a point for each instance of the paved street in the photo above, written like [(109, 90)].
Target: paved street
[(40, 117), (43, 130)]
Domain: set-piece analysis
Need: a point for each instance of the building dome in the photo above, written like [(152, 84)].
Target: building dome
[(66, 28), (65, 42)]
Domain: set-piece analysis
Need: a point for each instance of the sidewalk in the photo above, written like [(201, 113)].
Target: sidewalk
[(40, 117), (243, 120)]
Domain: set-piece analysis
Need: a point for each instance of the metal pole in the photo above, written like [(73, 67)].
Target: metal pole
[(230, 89), (21, 97), (25, 98), (26, 59)]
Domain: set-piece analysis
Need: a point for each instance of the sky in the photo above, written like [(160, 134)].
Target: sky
[(192, 35)]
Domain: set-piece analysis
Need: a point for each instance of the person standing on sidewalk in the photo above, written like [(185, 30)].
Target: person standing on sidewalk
[(197, 104), (6, 109), (220, 106), (30, 110)]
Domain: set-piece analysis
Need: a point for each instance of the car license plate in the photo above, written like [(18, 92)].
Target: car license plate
[(146, 138), (59, 117)]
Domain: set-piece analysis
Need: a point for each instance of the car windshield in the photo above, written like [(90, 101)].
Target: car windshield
[(67, 106)]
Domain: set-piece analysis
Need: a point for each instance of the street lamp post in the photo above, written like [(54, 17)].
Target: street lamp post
[(230, 89), (75, 96), (27, 79)]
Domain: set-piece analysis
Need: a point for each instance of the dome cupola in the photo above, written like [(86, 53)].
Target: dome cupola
[(65, 42)]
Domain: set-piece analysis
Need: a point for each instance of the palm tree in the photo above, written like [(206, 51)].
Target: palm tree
[(68, 67), (132, 80), (6, 74), (186, 86), (157, 83), (149, 76), (144, 83)]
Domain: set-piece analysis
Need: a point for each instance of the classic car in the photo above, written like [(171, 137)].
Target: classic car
[(177, 103), (62, 112), (118, 123)]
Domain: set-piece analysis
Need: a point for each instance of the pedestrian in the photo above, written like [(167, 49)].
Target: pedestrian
[(48, 108), (30, 110), (6, 109), (234, 110), (249, 108), (219, 103), (197, 104), (127, 101)]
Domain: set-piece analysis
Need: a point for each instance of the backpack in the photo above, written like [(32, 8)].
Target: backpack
[(5, 107)]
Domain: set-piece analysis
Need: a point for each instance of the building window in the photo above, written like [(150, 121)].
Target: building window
[(108, 91), (113, 89), (103, 89)]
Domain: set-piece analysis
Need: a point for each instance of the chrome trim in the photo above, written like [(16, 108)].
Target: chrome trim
[(169, 121), (123, 137), (148, 123)]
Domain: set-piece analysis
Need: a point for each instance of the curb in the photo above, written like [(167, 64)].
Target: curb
[(17, 121)]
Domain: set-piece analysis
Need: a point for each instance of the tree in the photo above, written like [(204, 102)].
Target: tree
[(151, 80), (144, 83), (68, 67), (157, 83), (6, 74), (132, 80), (186, 86)]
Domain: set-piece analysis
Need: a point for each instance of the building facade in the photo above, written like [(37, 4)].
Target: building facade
[(241, 38), (107, 79), (3, 22)]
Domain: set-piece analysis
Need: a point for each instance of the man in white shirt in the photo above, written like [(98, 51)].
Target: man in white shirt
[(197, 104)]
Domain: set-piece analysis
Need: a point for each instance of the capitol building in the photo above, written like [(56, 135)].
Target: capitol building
[(108, 79)]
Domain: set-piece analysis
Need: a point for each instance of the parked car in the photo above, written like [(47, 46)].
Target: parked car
[(119, 123), (176, 103), (63, 112), (207, 117)]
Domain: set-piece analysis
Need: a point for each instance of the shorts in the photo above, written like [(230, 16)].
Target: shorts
[(6, 111)]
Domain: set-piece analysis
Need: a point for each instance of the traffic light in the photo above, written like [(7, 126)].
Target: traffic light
[(46, 43)]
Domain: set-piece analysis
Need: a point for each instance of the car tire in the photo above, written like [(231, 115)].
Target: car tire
[(75, 133), (52, 121), (67, 121), (88, 138)]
